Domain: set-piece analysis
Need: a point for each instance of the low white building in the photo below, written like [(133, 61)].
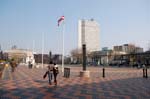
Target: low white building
[(21, 55)]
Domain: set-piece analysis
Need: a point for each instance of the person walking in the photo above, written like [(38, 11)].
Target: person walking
[(55, 73), (13, 65), (49, 72), (29, 65)]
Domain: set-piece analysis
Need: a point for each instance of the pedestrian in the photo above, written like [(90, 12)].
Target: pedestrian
[(49, 72), (144, 66), (29, 65), (55, 73), (13, 65)]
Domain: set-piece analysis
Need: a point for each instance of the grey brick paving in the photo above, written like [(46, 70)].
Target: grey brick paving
[(119, 83)]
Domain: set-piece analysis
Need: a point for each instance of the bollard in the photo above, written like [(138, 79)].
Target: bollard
[(103, 72), (143, 72), (146, 76)]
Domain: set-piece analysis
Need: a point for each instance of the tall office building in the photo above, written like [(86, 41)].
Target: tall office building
[(88, 33)]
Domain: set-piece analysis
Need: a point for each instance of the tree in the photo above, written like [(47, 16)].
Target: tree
[(76, 55), (14, 47)]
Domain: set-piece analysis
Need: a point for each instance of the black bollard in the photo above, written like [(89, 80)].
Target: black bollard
[(103, 72), (146, 76), (143, 72)]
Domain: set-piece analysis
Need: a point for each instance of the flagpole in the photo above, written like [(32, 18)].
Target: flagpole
[(32, 52), (42, 47), (63, 46), (33, 46), (63, 33)]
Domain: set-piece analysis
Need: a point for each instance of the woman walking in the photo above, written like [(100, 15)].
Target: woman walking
[(49, 72)]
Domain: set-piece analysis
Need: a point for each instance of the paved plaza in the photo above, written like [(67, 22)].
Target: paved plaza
[(119, 83)]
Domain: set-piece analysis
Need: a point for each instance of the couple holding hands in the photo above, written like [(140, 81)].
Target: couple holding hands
[(52, 72)]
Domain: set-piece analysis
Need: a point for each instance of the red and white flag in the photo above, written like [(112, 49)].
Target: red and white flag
[(61, 19)]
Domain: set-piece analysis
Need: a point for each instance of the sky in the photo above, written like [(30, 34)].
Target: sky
[(24, 22)]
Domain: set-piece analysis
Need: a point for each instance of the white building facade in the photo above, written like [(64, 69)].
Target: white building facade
[(24, 55), (88, 33)]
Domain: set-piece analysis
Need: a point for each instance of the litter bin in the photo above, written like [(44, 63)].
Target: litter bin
[(67, 72)]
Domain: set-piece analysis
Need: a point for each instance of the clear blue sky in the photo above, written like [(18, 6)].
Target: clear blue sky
[(121, 21)]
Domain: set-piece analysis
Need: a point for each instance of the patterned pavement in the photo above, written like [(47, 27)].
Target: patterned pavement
[(119, 83)]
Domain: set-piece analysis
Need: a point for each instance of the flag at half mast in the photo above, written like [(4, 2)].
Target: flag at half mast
[(61, 19)]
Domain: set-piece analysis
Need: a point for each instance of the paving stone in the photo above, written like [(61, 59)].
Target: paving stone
[(119, 83)]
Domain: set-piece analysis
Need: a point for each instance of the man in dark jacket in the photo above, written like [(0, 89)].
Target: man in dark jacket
[(55, 73)]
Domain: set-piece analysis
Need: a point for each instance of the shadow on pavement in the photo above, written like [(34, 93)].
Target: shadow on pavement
[(82, 88)]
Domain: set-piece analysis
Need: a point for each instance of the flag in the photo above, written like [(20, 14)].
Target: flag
[(61, 19)]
